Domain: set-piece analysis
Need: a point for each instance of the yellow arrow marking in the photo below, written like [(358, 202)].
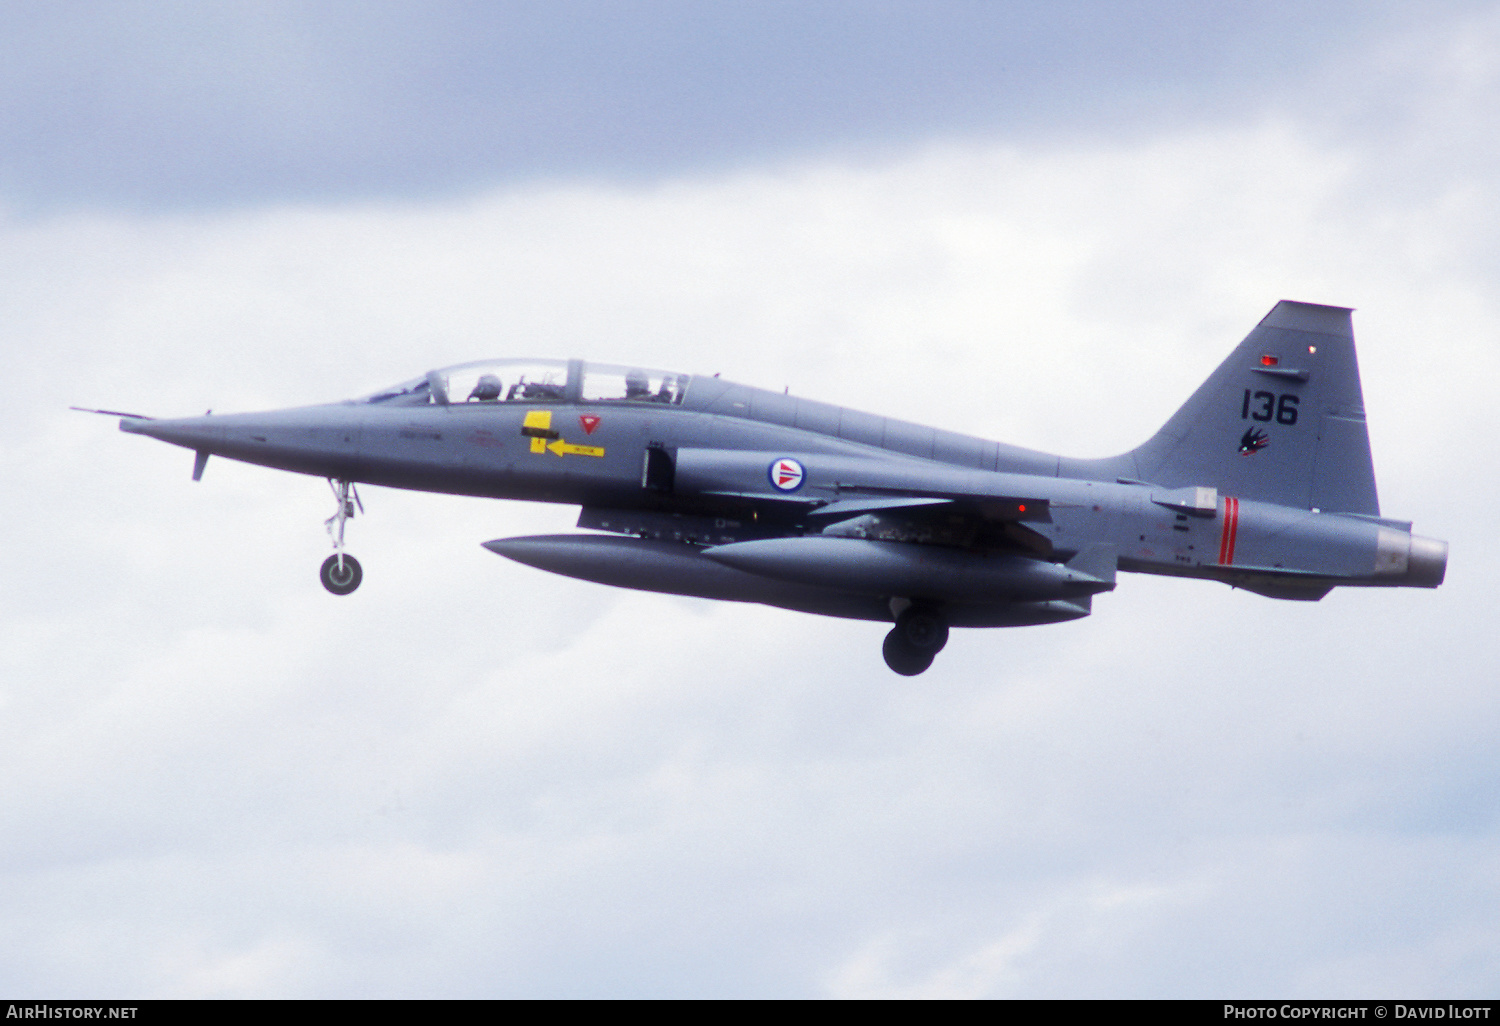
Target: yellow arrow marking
[(563, 448), (538, 425)]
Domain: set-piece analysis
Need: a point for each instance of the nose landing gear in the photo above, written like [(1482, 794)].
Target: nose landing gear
[(919, 635), (341, 572)]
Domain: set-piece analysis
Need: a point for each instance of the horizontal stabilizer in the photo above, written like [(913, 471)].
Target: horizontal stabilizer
[(1276, 583)]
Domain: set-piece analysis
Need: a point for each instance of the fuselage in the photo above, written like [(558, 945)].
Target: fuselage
[(712, 441), (1263, 480)]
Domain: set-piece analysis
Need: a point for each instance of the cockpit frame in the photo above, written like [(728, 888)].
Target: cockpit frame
[(502, 381)]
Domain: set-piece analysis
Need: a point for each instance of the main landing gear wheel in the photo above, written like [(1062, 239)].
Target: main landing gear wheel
[(341, 573), (919, 635), (902, 656)]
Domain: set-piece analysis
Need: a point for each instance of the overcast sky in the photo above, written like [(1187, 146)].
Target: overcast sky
[(1044, 224)]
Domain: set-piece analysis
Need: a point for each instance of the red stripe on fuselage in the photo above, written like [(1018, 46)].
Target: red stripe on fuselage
[(1234, 531), (1229, 530)]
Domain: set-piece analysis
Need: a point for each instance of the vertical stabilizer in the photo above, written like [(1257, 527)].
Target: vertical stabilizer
[(1282, 420)]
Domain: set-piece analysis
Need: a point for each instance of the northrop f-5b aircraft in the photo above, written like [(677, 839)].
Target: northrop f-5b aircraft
[(694, 485)]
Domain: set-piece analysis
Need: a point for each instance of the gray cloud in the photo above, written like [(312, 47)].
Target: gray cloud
[(151, 105)]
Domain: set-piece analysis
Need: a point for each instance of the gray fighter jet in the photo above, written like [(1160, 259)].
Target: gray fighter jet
[(697, 486)]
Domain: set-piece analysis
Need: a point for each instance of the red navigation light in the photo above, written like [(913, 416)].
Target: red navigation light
[(1269, 361)]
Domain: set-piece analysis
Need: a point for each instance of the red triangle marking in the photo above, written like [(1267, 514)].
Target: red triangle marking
[(588, 422)]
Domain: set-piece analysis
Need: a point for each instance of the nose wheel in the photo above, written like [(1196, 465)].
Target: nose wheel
[(341, 572), (917, 638)]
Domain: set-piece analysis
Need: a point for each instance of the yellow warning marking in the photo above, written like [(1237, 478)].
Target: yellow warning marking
[(538, 427), (538, 424), (563, 448)]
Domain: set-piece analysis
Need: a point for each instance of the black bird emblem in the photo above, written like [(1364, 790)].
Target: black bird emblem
[(1253, 441)]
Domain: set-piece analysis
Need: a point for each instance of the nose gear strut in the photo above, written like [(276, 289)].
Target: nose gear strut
[(341, 572)]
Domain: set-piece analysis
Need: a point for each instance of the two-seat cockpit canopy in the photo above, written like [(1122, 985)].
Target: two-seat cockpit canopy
[(535, 381)]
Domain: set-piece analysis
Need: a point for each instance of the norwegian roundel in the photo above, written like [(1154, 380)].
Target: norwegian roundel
[(786, 474)]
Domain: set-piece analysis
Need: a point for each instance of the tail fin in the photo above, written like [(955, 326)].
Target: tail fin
[(1282, 420)]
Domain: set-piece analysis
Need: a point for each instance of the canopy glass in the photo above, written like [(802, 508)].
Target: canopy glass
[(535, 381)]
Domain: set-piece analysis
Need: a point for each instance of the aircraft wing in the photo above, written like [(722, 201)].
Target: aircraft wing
[(854, 483), (892, 499)]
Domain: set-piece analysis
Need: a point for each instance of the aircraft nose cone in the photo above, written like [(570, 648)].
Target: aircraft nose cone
[(191, 432)]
